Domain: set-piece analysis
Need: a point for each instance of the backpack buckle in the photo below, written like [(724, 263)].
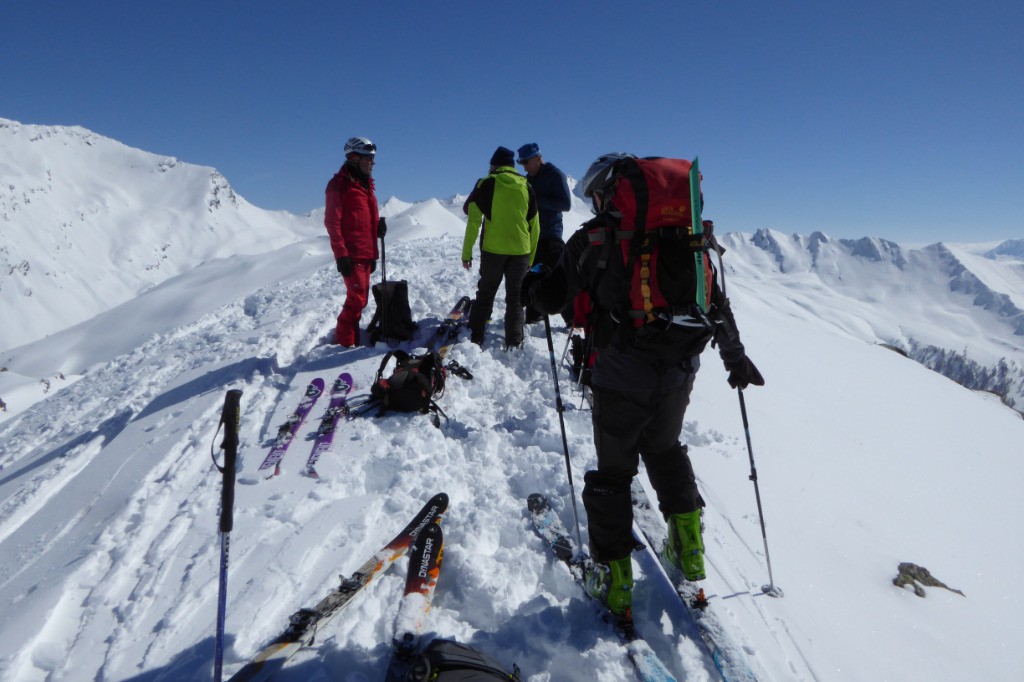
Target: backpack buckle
[(695, 318)]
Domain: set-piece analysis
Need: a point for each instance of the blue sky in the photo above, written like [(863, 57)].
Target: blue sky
[(898, 119)]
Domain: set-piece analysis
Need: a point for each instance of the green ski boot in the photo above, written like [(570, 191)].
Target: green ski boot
[(612, 584), (685, 547)]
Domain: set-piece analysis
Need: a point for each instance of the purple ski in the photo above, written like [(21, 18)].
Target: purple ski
[(325, 434), (286, 432)]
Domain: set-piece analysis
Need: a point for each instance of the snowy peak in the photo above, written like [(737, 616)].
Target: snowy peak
[(1012, 249), (940, 299), (819, 252), (89, 223), (982, 285)]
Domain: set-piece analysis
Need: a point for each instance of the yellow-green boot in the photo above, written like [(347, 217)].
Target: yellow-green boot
[(685, 547), (612, 584)]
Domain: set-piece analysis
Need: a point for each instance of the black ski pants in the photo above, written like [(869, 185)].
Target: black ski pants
[(493, 268), (629, 425)]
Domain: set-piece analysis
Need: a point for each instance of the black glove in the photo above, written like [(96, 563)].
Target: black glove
[(373, 266), (382, 227), (344, 264), (744, 373), (533, 275)]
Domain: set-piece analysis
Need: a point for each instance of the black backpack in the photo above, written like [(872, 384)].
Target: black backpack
[(393, 318), (447, 661), (412, 385)]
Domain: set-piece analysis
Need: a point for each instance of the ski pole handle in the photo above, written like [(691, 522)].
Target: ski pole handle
[(229, 420)]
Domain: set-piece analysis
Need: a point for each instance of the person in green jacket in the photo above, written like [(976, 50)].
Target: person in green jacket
[(507, 206)]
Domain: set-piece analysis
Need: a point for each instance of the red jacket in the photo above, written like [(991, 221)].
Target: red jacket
[(351, 216)]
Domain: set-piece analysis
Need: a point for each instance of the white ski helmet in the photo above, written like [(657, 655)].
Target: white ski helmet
[(599, 176), (361, 146)]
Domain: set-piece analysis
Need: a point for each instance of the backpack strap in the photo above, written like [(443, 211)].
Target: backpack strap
[(401, 356), (373, 330), (639, 243), (434, 409)]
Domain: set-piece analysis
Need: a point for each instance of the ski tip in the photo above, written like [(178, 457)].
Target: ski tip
[(537, 503)]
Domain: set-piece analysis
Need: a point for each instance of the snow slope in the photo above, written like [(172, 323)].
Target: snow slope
[(89, 223), (866, 459), (962, 299)]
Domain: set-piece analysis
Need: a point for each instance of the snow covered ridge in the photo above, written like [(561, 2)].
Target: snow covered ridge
[(957, 309), (108, 498), (89, 223)]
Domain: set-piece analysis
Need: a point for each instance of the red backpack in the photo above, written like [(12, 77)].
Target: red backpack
[(668, 266)]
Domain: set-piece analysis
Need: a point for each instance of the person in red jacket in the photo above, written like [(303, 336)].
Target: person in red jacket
[(352, 220)]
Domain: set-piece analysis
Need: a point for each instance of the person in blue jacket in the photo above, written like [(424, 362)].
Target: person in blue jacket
[(552, 191)]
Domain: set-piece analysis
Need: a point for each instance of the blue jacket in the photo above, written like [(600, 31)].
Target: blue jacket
[(552, 191)]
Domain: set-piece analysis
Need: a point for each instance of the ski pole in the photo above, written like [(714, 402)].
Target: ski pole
[(770, 589), (229, 421), (561, 420), (385, 300)]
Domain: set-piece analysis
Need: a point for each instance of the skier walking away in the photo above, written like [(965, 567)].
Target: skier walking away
[(552, 191), (642, 379), (508, 208), (351, 219)]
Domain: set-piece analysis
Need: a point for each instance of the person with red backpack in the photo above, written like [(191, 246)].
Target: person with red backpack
[(656, 304), (353, 223)]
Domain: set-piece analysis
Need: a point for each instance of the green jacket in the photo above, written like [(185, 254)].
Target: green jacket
[(508, 207)]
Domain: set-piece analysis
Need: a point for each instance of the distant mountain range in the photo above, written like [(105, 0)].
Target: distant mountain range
[(958, 309)]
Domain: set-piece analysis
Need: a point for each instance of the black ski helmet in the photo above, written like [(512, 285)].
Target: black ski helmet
[(599, 176)]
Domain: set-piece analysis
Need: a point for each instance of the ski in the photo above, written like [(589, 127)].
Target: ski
[(305, 623), (286, 432), (329, 422), (448, 333), (726, 654), (550, 528), (424, 567)]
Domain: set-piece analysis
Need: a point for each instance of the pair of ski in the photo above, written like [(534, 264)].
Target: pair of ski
[(423, 541), (728, 657), (325, 432)]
